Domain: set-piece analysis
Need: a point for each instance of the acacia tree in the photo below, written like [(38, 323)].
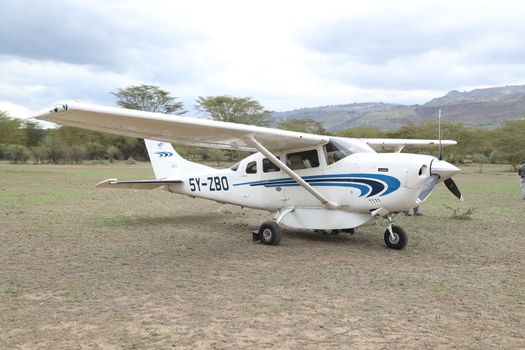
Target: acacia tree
[(242, 110), (11, 130), (148, 98)]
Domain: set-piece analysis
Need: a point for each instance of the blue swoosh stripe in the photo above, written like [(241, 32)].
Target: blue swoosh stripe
[(373, 183)]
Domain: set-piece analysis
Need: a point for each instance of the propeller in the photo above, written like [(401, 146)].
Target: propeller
[(452, 187), (428, 187), (441, 169)]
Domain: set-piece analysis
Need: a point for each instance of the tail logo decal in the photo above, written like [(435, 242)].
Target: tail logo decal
[(164, 154)]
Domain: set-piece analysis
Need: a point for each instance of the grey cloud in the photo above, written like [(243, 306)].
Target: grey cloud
[(386, 37), (68, 32), (377, 42)]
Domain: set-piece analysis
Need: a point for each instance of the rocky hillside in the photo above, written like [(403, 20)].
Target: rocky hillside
[(481, 108)]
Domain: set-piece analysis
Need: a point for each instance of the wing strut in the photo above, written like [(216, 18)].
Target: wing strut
[(326, 202)]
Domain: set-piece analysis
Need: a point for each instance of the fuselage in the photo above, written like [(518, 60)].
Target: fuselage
[(360, 182)]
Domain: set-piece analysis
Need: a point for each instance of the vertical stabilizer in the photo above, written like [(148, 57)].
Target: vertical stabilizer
[(168, 164)]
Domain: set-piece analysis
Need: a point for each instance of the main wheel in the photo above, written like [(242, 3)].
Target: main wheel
[(270, 233), (400, 239)]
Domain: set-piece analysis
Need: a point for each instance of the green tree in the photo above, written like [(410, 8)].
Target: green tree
[(303, 125), (429, 130), (2, 150), (34, 133), (148, 98), (56, 149), (95, 150), (40, 153), (17, 153), (510, 142), (242, 110), (76, 136), (10, 130), (112, 153), (77, 153)]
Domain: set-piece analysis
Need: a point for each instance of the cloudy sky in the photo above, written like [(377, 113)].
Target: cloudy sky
[(286, 54)]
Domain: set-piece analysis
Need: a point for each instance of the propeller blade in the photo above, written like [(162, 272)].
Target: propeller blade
[(452, 187), (428, 187)]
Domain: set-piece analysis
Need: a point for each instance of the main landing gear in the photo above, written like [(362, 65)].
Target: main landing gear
[(269, 233), (395, 236)]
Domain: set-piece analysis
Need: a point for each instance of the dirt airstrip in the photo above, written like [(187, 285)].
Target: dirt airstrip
[(86, 268)]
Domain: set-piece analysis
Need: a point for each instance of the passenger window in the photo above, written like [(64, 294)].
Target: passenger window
[(302, 160), (335, 152), (269, 167), (251, 168)]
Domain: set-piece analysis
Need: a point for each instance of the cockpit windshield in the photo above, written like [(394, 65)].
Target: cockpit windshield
[(335, 152), (340, 147)]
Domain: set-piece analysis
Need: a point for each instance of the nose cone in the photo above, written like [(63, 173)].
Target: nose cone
[(445, 170)]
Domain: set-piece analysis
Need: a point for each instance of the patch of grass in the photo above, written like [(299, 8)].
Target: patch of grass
[(460, 214), (497, 187), (13, 291), (30, 172), (133, 343)]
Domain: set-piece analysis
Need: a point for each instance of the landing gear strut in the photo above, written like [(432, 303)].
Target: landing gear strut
[(395, 236)]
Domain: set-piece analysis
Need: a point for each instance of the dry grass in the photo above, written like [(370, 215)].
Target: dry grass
[(93, 268)]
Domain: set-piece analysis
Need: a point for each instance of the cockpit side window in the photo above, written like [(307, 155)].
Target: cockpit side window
[(269, 167), (302, 160), (251, 168), (235, 167), (335, 152)]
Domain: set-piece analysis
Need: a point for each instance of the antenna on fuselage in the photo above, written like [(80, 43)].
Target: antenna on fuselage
[(439, 135)]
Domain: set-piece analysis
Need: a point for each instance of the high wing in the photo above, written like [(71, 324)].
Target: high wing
[(173, 128), (406, 142)]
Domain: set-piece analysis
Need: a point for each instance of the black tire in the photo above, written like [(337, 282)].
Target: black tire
[(401, 240), (270, 233)]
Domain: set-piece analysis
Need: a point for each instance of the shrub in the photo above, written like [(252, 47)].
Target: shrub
[(112, 153), (77, 153), (17, 153), (95, 150), (40, 154)]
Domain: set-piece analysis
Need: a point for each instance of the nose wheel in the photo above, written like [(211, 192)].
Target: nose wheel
[(396, 237)]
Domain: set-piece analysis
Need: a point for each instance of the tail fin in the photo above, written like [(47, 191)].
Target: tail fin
[(168, 164)]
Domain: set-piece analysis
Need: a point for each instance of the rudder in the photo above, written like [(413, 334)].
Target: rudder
[(167, 163)]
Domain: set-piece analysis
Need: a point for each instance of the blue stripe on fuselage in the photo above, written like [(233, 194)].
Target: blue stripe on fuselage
[(371, 184)]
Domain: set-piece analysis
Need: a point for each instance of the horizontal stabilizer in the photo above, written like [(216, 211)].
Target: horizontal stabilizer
[(136, 184)]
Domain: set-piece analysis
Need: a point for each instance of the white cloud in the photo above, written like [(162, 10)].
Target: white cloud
[(287, 54), (15, 110)]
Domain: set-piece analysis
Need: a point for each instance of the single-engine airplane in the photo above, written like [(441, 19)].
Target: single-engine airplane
[(309, 181)]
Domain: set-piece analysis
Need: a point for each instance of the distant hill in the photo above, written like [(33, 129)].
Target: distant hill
[(480, 108)]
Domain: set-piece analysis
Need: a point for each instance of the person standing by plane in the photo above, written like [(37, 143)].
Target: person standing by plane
[(521, 172), (416, 212)]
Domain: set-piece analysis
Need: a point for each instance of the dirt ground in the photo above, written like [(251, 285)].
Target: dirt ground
[(86, 268)]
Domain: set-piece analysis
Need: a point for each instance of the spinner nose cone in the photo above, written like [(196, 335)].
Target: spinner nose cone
[(445, 170)]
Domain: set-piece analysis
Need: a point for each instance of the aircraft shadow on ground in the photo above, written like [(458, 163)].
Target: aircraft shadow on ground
[(213, 220)]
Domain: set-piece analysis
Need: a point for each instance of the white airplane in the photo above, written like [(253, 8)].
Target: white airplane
[(309, 181)]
